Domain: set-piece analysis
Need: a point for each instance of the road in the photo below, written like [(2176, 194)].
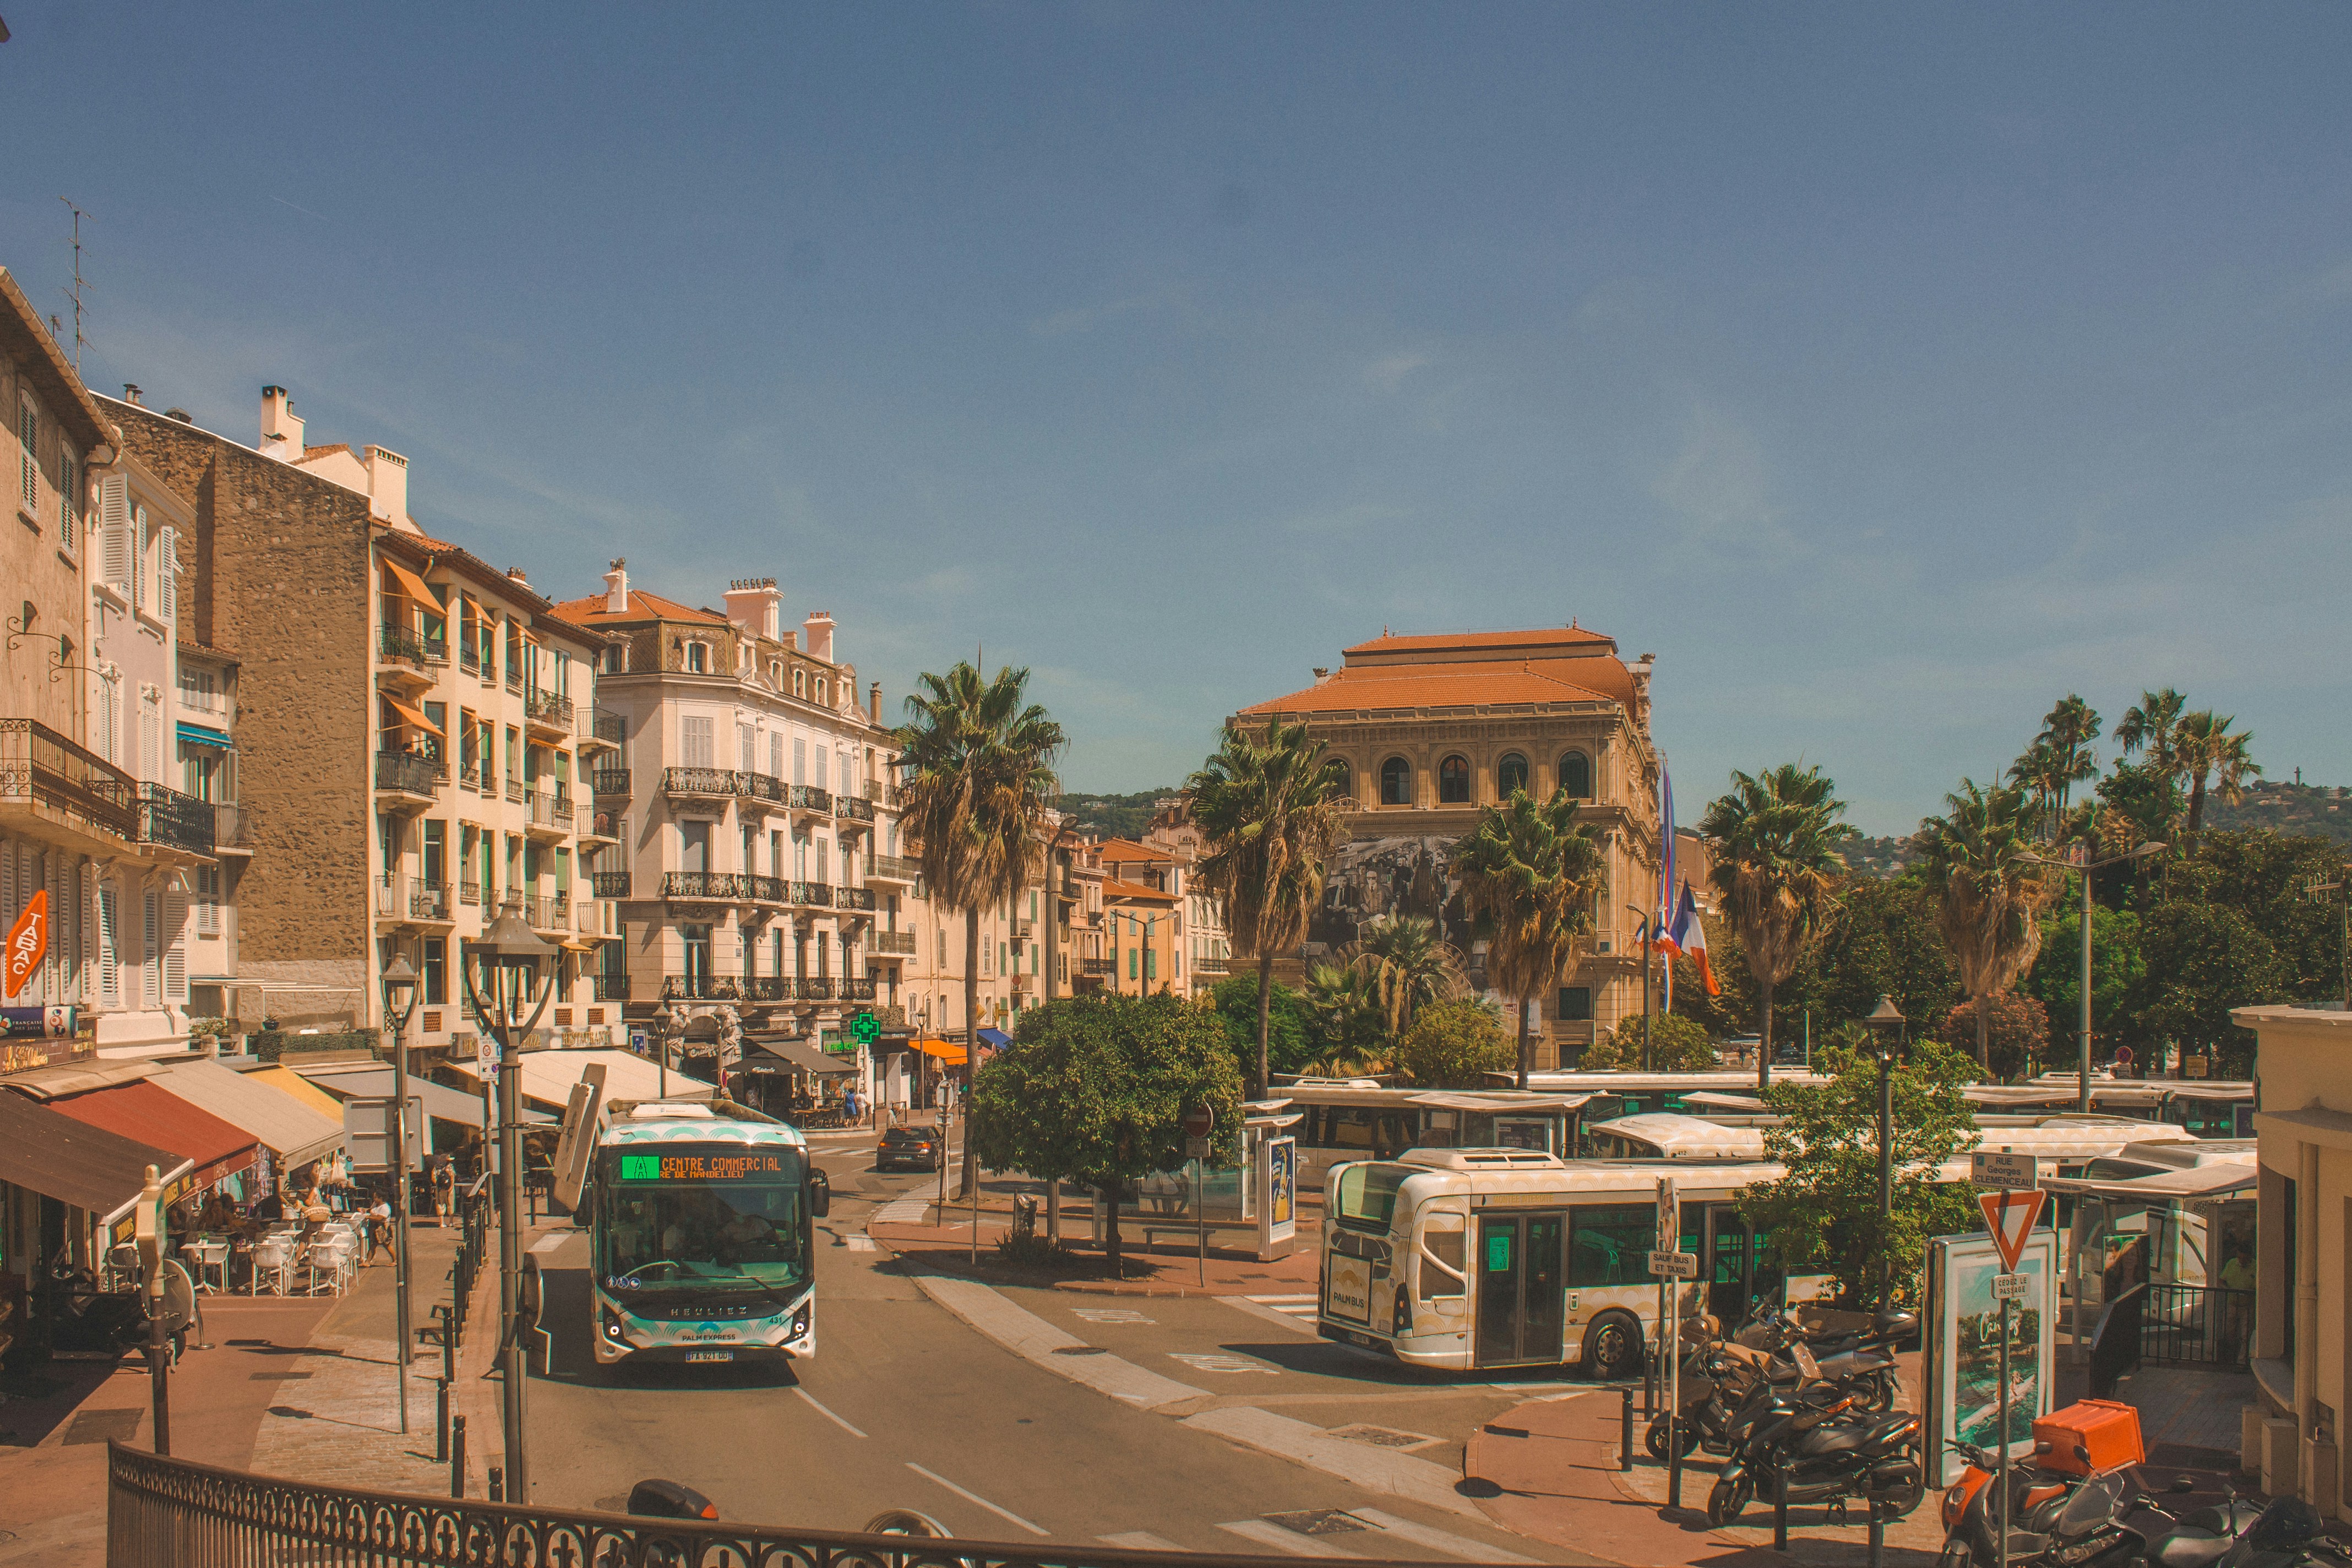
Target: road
[(904, 1405)]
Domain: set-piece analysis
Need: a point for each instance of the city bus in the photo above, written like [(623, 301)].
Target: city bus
[(1359, 1119), (700, 1217), (2068, 1141), (1615, 1094)]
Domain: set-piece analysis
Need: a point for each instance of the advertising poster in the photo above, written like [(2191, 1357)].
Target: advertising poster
[(1961, 1368), (1282, 1185)]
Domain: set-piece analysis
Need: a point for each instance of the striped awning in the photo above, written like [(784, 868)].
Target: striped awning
[(197, 735)]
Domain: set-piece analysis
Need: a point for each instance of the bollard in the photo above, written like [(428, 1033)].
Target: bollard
[(1673, 1459), (1877, 1533), (457, 1457), (1625, 1428), (1649, 1386), (1780, 1507), (498, 1484), (441, 1421)]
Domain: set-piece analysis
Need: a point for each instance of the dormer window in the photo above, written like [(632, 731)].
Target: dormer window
[(776, 673), (698, 659), (616, 659), (820, 691), (800, 683)]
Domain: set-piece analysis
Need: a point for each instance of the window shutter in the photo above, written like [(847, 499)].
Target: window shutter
[(138, 542), (149, 974), (167, 574), (208, 881), (114, 522), (109, 973), (176, 954), (28, 427), (69, 498)]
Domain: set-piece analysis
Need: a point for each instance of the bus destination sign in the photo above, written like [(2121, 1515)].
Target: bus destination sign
[(700, 1167)]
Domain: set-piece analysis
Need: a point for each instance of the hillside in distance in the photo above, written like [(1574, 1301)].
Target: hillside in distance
[(1112, 816), (2321, 811)]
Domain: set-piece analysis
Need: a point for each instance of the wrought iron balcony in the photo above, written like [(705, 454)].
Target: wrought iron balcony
[(850, 808), (428, 901), (175, 820), (852, 898), (407, 772), (892, 868), (817, 895), (808, 797), (761, 788), (769, 890), (393, 646), (814, 987), (890, 941), (561, 805), (515, 791), (857, 987), (609, 884), (602, 824), (467, 658), (701, 988), (547, 707), (698, 781), (230, 826), (1098, 967), (514, 676), (39, 766), (610, 781), (535, 911), (469, 776), (559, 911), (609, 727), (767, 988), (1213, 965), (721, 886), (467, 893), (612, 987)]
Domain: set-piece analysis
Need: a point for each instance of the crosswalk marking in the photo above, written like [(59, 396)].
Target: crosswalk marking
[(1140, 1541), (1436, 1540), (860, 1243), (1109, 1315), (903, 1210), (1294, 1306), (1289, 1540)]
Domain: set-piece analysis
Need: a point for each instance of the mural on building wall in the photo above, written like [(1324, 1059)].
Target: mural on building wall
[(1369, 877)]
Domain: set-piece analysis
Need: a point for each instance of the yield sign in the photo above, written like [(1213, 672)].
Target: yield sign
[(2010, 1215)]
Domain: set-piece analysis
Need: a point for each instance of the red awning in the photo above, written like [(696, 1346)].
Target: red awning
[(146, 1113)]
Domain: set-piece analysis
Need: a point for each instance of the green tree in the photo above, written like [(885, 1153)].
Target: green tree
[(2264, 876), (1094, 1090), (1270, 812), (1677, 1043), (2202, 960), (1454, 1045), (1772, 848), (2016, 1032), (1823, 1215), (1347, 1021), (2138, 805), (2148, 726), (1408, 965), (1531, 876), (1290, 1023), (2069, 729), (1980, 858), (1884, 942), (2209, 749), (977, 759), (2056, 976)]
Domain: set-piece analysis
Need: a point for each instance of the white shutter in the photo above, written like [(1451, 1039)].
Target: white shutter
[(209, 882), (149, 974), (176, 953), (110, 953), (167, 574), (109, 718), (114, 523), (138, 542)]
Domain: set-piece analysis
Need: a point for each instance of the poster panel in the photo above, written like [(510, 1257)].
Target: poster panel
[(1282, 1188), (1960, 1369)]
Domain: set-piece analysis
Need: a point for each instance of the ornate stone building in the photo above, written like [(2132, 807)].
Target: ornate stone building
[(1431, 729)]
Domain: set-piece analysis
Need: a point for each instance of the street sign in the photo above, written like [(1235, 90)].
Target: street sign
[(1196, 1148), (2017, 1171), (1669, 1220), (2010, 1215), (1200, 1121), (1674, 1265), (2011, 1287), (866, 1028), (486, 1050), (28, 942)]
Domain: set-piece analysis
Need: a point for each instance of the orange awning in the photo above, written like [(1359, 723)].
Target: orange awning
[(411, 583), (412, 717), (946, 1051)]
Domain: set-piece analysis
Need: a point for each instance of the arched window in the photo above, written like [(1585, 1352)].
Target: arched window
[(1453, 781), (1511, 774), (1343, 780), (1576, 775), (1396, 782)]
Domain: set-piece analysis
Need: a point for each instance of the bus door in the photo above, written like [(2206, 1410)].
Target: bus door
[(1521, 1288), (1728, 1264)]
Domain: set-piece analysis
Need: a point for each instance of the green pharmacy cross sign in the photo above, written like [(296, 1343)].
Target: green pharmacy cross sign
[(866, 1028)]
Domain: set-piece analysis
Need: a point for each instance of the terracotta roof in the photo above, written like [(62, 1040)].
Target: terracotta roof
[(1136, 892), (1459, 686), (1545, 637), (1129, 849), (310, 452), (643, 607)]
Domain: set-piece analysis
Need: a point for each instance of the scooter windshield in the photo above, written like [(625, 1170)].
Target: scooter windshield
[(2090, 1506), (2284, 1526)]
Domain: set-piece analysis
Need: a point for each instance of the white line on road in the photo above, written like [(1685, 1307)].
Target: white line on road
[(1029, 1336), (976, 1498), (828, 1415), (1436, 1540), (547, 1243), (1140, 1541), (1305, 1325), (1290, 1541), (1374, 1470), (902, 1211)]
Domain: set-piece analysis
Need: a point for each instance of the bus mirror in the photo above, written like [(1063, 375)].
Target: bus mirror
[(820, 1196)]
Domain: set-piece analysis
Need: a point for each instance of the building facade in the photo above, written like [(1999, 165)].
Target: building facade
[(1431, 729)]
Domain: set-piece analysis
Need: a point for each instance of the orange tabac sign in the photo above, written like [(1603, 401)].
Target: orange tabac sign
[(28, 942)]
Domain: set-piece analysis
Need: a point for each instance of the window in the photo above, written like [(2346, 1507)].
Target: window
[(68, 496), (776, 754), (435, 976), (1575, 1004), (1576, 775), (820, 767), (151, 979), (800, 760), (434, 854), (698, 659), (1510, 775), (695, 939), (28, 428), (1453, 781), (1610, 1245), (820, 690), (616, 659), (1396, 782), (747, 748), (800, 683), (696, 748), (1343, 779), (694, 846), (208, 888)]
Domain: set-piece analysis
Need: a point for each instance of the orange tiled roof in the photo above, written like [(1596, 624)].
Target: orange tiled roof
[(1129, 849), (643, 607), (1544, 636), (310, 452), (1136, 892), (1459, 686)]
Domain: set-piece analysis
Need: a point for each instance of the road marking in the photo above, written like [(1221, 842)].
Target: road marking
[(1140, 1541), (1296, 1324), (1215, 1360), (828, 1415), (1436, 1540), (1109, 1315), (1374, 1470), (1034, 1340), (547, 1243), (902, 1211), (860, 1244), (976, 1498), (1288, 1541), (1296, 1306)]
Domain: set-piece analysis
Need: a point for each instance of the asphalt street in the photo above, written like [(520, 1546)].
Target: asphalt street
[(907, 1406)]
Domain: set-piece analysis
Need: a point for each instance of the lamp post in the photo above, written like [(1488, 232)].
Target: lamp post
[(505, 965), (1887, 1021), (2087, 866), (1649, 936), (399, 1003)]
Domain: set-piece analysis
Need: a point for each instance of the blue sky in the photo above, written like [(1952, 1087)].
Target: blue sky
[(1888, 372)]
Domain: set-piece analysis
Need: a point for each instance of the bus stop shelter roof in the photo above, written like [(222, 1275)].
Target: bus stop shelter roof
[(547, 1077)]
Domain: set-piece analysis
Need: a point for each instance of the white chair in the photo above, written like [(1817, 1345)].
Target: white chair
[(325, 1255), (211, 1255), (273, 1258)]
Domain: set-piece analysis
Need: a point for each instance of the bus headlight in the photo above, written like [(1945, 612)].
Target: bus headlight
[(612, 1326), (799, 1323)]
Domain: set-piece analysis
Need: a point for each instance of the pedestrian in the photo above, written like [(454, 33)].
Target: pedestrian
[(445, 1186), (379, 1232)]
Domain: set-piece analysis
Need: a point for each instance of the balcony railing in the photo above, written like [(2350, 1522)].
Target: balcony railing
[(853, 810), (38, 764), (1098, 967), (759, 787), (515, 791), (467, 659), (608, 727), (852, 898), (560, 808), (857, 987), (547, 707), (467, 893), (723, 886), (609, 884), (814, 987), (1213, 965), (231, 826), (602, 824), (767, 988), (175, 820), (407, 772), (817, 895), (559, 911), (533, 909), (701, 988), (469, 776), (428, 901), (890, 941), (514, 677), (808, 797), (392, 646), (698, 781), (892, 868), (612, 987), (609, 781)]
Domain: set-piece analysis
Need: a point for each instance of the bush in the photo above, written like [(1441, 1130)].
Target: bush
[(1677, 1044), (1290, 1032), (1454, 1045), (2017, 1032)]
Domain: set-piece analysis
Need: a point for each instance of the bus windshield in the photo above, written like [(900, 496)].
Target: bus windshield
[(1366, 1195), (703, 1218)]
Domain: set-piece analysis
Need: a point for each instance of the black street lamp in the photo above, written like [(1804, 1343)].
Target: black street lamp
[(2087, 866), (1887, 1025), (399, 1003), (502, 972)]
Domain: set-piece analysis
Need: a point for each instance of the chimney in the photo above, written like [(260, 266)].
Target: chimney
[(387, 473), (874, 703), (1322, 674), (130, 394), (514, 574), (281, 431), (819, 643), (616, 587), (755, 608)]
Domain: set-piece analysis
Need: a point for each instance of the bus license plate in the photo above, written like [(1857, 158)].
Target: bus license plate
[(709, 1355)]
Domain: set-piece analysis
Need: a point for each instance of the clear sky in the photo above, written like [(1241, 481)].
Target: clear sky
[(1888, 371)]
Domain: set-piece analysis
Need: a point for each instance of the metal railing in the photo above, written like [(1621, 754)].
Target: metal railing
[(547, 708), (857, 988), (514, 676), (609, 884), (759, 787), (1098, 967), (2196, 1325), (231, 826), (852, 809), (767, 890), (814, 987), (469, 776), (402, 648), (609, 781), (1213, 965), (602, 824), (698, 781), (817, 894), (467, 893), (890, 941), (179, 821), (428, 901), (559, 806), (166, 1512), (612, 987), (767, 988), (892, 868), (608, 728), (725, 885), (701, 988), (406, 772), (852, 898), (808, 797)]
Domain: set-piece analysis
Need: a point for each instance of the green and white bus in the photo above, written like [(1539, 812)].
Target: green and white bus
[(701, 1225)]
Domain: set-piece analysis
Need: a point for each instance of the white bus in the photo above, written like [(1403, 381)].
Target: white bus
[(1339, 1120), (2068, 1141)]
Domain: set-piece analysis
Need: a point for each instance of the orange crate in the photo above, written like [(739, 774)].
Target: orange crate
[(2108, 1429)]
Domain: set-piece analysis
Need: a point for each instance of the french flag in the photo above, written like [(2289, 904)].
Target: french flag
[(1688, 938)]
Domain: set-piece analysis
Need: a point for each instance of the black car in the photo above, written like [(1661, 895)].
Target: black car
[(911, 1149)]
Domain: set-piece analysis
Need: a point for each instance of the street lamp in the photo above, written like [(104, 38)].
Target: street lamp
[(1649, 936), (399, 1003), (2087, 866), (505, 965), (1885, 1022)]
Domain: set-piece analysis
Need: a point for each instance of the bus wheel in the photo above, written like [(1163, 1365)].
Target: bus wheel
[(1613, 1348)]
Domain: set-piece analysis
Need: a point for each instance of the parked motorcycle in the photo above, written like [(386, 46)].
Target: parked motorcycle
[(2287, 1534), (1720, 1378), (1829, 1454), (2071, 1520)]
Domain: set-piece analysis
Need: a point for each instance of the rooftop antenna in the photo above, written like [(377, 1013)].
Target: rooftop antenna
[(80, 283)]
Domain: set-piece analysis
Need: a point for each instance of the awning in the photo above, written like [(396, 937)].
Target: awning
[(80, 1165), (953, 1055), (372, 1080), (2217, 1180), (197, 735), (547, 1077), (294, 1132), (77, 1078), (411, 583), (143, 1113), (412, 715), (995, 1039), (286, 1081), (798, 1056)]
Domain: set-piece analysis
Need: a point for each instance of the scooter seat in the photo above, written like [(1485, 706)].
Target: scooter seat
[(2189, 1548)]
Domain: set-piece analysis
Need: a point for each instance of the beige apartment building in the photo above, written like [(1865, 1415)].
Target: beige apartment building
[(91, 825), (1434, 728), (406, 726)]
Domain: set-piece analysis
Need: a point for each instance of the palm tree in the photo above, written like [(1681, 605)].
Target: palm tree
[(1347, 1008), (1269, 811), (2150, 727), (978, 760), (2043, 770), (1773, 852), (2205, 748), (1980, 859), (2070, 727), (1408, 965), (1530, 879)]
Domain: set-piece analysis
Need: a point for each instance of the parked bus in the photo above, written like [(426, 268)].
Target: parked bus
[(2068, 1141), (1359, 1118), (1614, 1094), (700, 1219)]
